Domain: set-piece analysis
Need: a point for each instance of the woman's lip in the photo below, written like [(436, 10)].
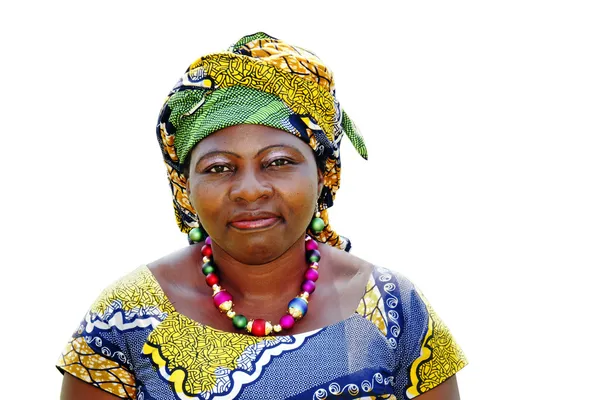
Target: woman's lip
[(255, 223)]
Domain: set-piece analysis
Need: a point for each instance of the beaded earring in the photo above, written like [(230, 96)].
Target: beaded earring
[(317, 224), (196, 235)]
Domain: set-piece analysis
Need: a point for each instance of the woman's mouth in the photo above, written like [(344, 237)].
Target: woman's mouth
[(252, 222)]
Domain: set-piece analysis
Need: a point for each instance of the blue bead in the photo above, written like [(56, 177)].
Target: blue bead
[(299, 304)]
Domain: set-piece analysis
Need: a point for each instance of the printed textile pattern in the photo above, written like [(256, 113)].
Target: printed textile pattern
[(135, 345), (81, 361), (93, 355), (259, 80), (371, 306), (214, 363), (205, 353), (439, 354)]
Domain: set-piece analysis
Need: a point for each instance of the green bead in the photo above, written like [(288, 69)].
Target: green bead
[(314, 258), (240, 322), (317, 225), (195, 235), (208, 268)]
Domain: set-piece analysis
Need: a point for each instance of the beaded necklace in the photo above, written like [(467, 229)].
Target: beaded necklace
[(297, 307)]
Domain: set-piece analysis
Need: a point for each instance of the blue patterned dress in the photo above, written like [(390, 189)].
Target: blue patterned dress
[(133, 344)]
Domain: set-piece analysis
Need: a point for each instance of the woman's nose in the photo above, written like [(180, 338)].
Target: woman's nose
[(250, 187)]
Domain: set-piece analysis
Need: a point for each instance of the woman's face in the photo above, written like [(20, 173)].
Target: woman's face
[(255, 189)]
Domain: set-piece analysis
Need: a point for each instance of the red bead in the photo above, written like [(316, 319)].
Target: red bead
[(212, 279), (206, 251), (258, 327)]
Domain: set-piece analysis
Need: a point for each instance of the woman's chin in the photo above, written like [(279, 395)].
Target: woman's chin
[(260, 246)]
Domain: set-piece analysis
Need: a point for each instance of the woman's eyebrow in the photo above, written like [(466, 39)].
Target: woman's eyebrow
[(286, 146), (231, 153), (215, 152)]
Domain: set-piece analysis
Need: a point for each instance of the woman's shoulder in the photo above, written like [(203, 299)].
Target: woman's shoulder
[(136, 292), (141, 290), (403, 300), (384, 278), (178, 269), (398, 286), (389, 299), (395, 297)]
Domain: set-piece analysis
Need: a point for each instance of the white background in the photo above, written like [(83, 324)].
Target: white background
[(482, 123)]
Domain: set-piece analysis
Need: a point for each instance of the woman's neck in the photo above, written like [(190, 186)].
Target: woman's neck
[(266, 282)]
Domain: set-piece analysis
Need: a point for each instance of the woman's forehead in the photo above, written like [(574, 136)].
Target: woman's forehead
[(247, 138)]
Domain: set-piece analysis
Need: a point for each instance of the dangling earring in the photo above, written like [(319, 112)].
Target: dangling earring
[(196, 235), (317, 224)]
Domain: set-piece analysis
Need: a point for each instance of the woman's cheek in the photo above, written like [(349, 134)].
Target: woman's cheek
[(205, 197), (303, 195)]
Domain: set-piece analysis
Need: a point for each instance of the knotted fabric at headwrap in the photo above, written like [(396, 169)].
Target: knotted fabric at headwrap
[(264, 81)]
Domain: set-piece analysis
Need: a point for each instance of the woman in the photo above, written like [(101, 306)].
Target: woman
[(253, 200)]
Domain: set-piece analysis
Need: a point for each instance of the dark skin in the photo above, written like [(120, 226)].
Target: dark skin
[(233, 173)]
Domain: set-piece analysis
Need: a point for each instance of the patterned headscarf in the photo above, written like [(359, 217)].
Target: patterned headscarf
[(264, 81)]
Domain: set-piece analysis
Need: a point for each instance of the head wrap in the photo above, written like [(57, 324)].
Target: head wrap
[(264, 81)]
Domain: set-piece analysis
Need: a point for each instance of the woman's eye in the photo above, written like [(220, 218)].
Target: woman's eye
[(279, 162), (219, 169)]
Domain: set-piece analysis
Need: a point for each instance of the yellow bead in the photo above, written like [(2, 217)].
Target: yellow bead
[(216, 289), (231, 313), (205, 259), (249, 326), (277, 328), (305, 295), (268, 328), (226, 305), (294, 312)]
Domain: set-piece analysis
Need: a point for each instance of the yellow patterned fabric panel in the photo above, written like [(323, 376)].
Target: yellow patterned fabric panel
[(136, 290), (292, 59), (181, 344), (79, 360), (441, 357), (304, 97), (371, 306)]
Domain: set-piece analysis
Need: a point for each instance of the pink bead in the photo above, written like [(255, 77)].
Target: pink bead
[(312, 274), (221, 297), (308, 286), (287, 321), (208, 241), (311, 245)]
